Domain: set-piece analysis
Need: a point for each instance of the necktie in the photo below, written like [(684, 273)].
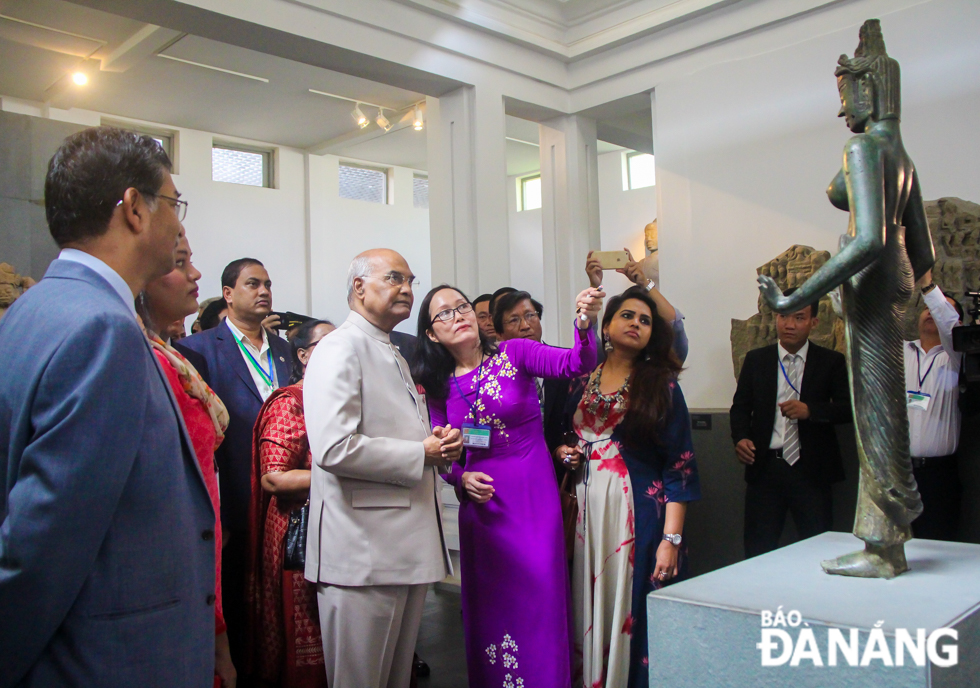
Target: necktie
[(791, 435)]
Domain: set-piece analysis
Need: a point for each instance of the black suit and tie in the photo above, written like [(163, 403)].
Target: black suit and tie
[(773, 485)]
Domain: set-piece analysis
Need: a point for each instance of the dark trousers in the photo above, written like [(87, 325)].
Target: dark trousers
[(234, 564), (783, 488), (939, 484)]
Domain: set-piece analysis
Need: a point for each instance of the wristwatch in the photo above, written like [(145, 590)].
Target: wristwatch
[(650, 285), (673, 538), (928, 288)]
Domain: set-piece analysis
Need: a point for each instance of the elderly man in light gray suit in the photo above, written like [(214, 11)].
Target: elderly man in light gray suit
[(375, 536)]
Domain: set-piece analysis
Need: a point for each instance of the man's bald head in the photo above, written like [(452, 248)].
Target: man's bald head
[(379, 287)]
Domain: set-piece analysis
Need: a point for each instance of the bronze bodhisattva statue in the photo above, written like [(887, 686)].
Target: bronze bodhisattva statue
[(886, 247)]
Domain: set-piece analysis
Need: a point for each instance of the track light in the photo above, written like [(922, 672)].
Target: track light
[(418, 123), (80, 78), (359, 117), (382, 121)]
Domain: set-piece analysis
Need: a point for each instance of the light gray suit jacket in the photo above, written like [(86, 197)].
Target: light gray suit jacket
[(375, 511)]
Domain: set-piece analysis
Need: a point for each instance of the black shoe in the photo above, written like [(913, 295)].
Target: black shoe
[(421, 668)]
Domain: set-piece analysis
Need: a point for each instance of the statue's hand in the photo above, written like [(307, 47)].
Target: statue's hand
[(771, 293)]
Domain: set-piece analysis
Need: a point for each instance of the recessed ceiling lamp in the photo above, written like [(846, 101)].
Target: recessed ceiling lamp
[(382, 121), (418, 123), (359, 117), (80, 78)]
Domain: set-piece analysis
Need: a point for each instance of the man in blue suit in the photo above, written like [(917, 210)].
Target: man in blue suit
[(243, 363), (106, 539)]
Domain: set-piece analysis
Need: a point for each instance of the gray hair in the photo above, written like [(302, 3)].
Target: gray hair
[(360, 267)]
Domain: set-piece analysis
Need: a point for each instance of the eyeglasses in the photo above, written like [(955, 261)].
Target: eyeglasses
[(180, 207), (450, 313), (397, 279), (529, 318)]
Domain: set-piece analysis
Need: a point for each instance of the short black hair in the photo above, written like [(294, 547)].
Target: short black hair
[(497, 294), (89, 174), (509, 301), (302, 339), (229, 276), (481, 298), (210, 316), (814, 307)]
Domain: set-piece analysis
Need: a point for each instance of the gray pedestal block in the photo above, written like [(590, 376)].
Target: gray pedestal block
[(707, 632)]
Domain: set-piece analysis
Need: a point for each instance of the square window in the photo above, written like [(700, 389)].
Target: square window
[(241, 166), (420, 191), (640, 170), (531, 193), (359, 183)]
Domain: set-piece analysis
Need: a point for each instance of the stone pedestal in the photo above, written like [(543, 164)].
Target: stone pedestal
[(708, 631)]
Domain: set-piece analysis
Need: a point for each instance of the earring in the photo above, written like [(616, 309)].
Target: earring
[(607, 345)]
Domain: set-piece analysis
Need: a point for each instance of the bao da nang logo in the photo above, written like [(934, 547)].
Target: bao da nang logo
[(786, 639)]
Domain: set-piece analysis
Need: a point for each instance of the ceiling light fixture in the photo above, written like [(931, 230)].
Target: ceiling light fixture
[(359, 117), (80, 78), (382, 121), (418, 123)]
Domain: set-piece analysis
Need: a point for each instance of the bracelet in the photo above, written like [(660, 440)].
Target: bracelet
[(928, 288), (650, 285)]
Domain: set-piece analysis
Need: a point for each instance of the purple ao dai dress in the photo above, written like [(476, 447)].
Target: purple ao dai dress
[(515, 590)]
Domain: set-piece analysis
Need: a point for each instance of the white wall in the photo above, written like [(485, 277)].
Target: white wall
[(526, 248), (746, 148), (341, 228), (229, 221), (623, 215)]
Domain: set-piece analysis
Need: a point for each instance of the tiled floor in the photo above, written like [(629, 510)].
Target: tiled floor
[(440, 641)]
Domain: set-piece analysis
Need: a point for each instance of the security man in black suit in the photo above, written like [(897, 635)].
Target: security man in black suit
[(788, 399)]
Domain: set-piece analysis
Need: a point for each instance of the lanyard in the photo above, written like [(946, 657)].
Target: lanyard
[(918, 365), (479, 383), (266, 377), (786, 377)]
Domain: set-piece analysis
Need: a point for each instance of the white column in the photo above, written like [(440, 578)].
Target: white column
[(569, 217), (467, 190)]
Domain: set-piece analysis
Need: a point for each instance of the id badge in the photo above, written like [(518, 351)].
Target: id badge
[(919, 400), (476, 436)]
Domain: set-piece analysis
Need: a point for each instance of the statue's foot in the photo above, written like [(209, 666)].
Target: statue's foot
[(873, 561)]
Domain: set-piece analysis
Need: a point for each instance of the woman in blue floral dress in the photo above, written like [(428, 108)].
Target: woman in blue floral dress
[(632, 453)]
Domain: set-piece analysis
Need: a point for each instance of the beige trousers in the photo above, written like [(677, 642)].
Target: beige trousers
[(369, 633)]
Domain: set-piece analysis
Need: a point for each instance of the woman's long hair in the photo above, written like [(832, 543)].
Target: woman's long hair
[(432, 363), (654, 368), (302, 340)]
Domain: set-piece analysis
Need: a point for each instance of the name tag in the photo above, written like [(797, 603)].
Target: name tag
[(477, 436), (918, 400)]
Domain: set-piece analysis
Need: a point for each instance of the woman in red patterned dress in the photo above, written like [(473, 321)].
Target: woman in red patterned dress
[(284, 628), (165, 300)]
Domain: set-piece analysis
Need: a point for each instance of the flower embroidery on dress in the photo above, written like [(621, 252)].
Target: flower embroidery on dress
[(492, 653), (508, 643), (510, 661), (508, 681), (486, 380)]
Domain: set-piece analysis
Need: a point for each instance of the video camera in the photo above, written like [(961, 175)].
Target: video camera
[(966, 340)]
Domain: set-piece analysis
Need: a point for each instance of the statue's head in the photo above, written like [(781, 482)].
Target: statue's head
[(869, 83)]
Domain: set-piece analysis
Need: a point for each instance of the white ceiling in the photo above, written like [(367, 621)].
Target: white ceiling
[(281, 110), (42, 41)]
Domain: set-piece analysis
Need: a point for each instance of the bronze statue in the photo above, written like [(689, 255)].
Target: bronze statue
[(887, 242)]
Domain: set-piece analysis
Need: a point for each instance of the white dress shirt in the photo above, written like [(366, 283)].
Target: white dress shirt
[(935, 431), (784, 392), (261, 356), (117, 283)]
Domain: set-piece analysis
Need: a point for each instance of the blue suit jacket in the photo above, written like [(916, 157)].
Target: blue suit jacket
[(218, 359), (106, 542)]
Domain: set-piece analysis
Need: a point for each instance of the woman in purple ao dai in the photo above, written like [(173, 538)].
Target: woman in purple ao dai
[(515, 590)]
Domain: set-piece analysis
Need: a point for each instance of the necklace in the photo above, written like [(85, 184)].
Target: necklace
[(599, 404)]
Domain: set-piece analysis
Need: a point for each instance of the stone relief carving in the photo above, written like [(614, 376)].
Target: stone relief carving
[(12, 286)]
